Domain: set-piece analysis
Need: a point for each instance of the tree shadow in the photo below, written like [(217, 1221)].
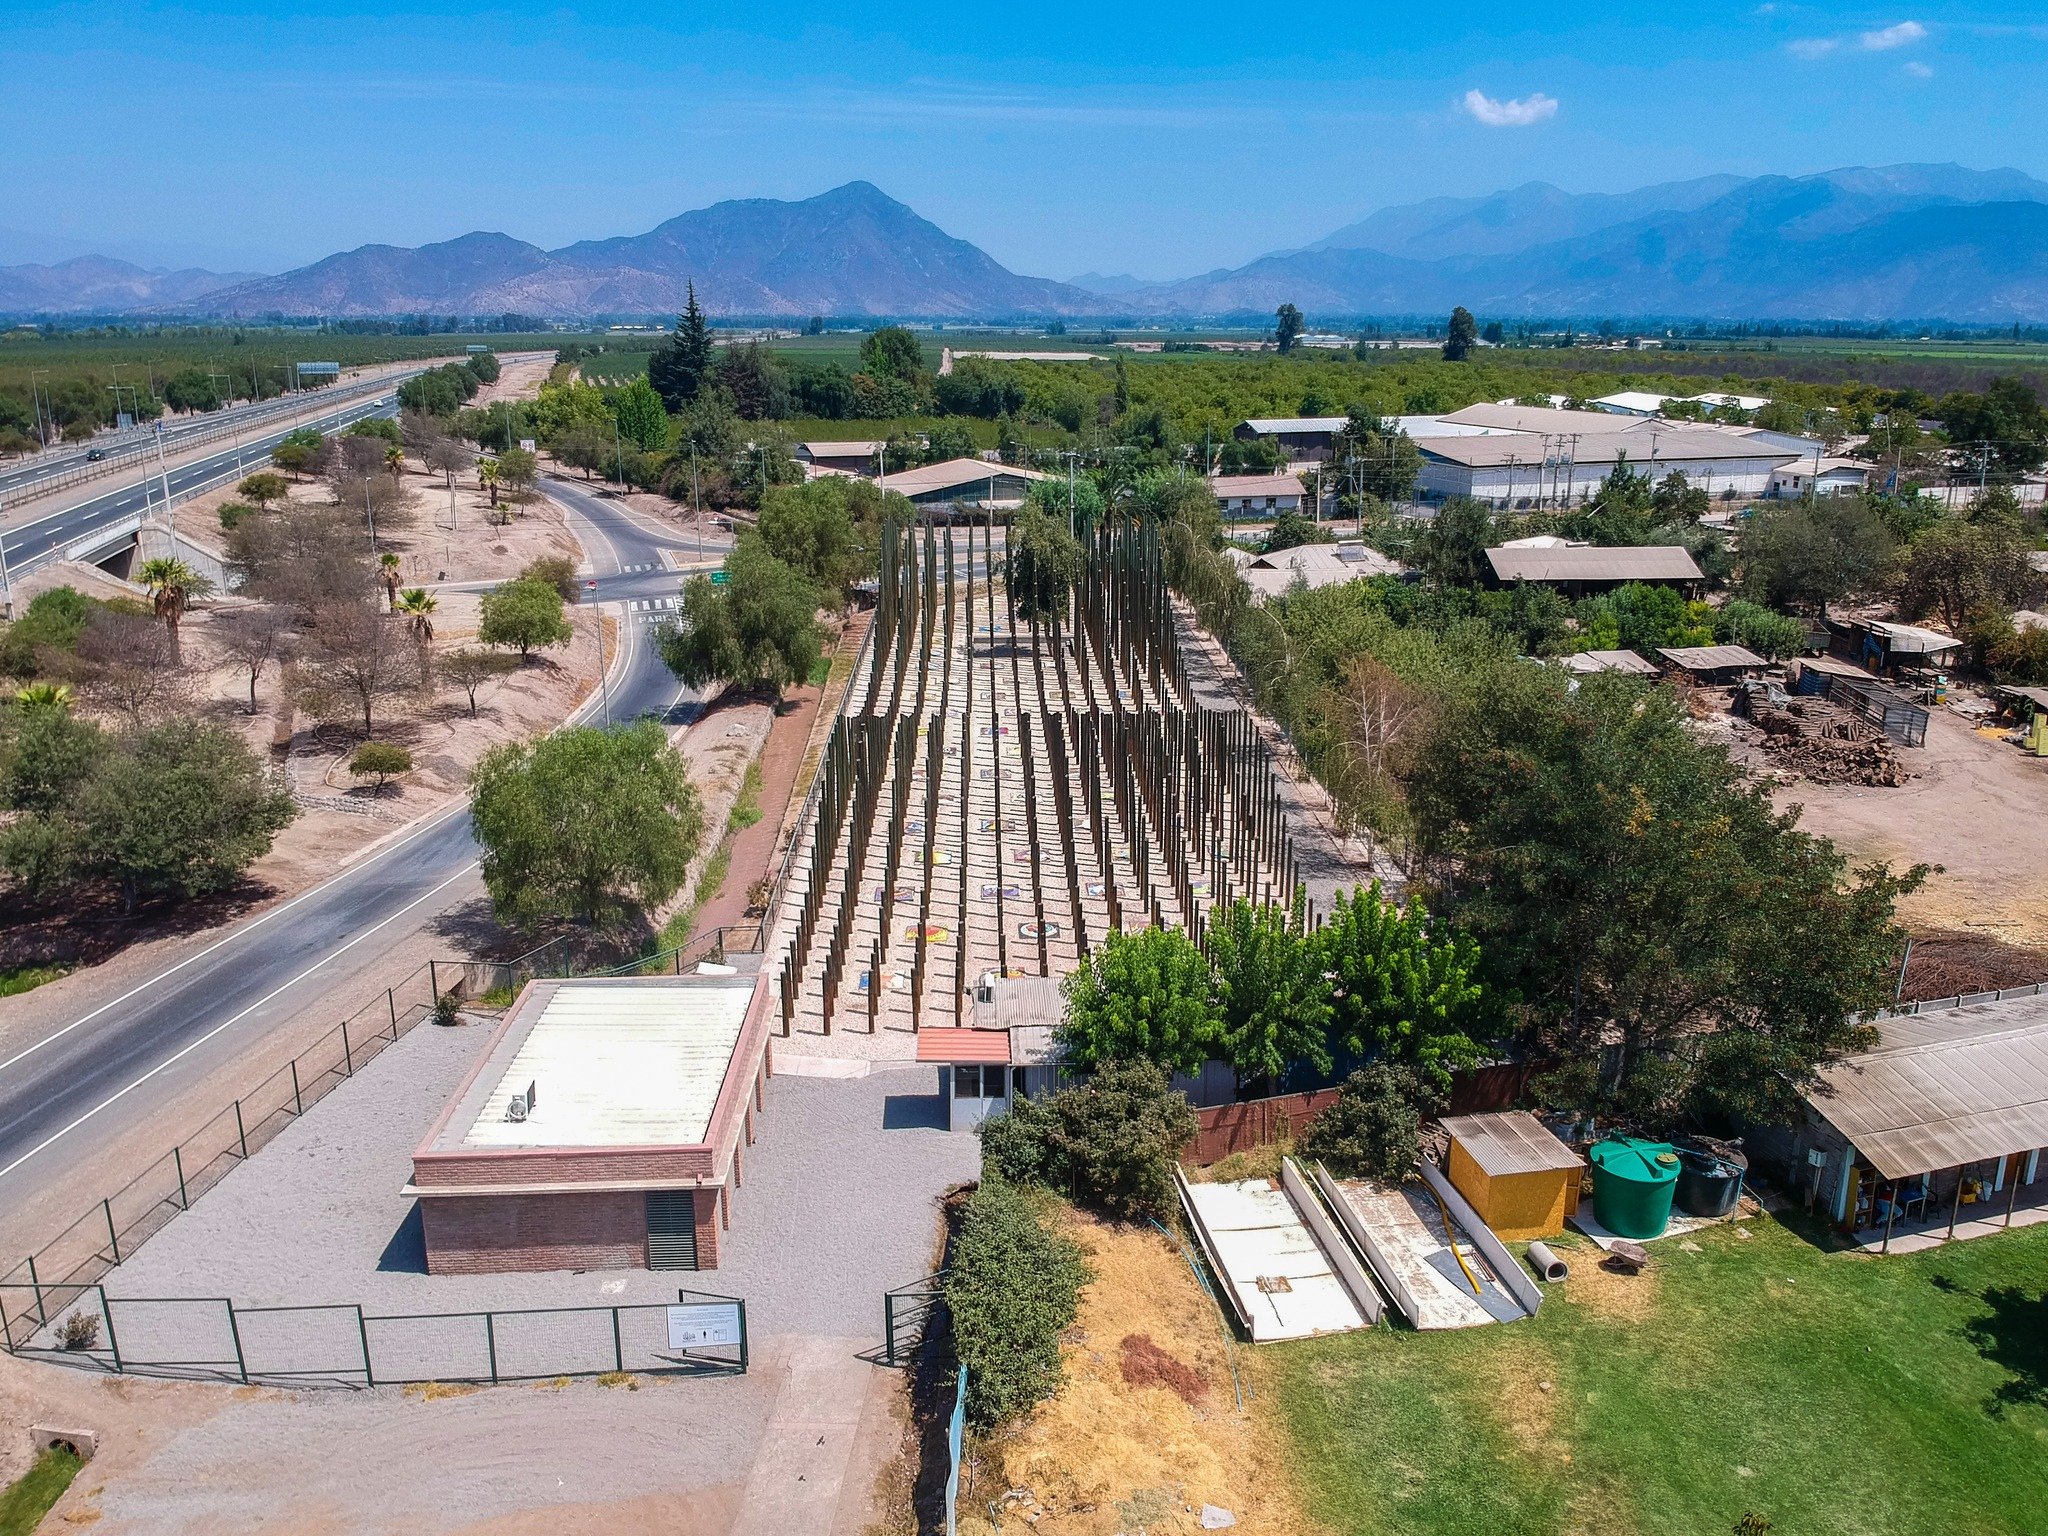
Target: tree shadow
[(2012, 1335)]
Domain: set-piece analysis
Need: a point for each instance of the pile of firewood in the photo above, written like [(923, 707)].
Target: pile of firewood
[(1829, 761)]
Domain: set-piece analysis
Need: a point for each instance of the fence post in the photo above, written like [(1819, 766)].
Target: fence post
[(241, 1134), (433, 982), (298, 1104), (235, 1332), (107, 1312), (491, 1343), (391, 1006), (178, 1159), (42, 1317), (363, 1332), (113, 1237), (618, 1349), (743, 1336), (348, 1064)]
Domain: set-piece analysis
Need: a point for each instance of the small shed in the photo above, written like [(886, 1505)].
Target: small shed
[(1713, 663), (974, 1077), (1607, 661), (1520, 1178)]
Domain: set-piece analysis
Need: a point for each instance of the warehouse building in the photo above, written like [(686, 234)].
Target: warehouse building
[(960, 486), (1563, 467), (604, 1128)]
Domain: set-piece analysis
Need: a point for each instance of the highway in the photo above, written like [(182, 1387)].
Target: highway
[(104, 1072), (30, 543)]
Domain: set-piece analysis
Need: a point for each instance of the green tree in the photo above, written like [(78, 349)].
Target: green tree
[(893, 352), (1287, 327), (180, 810), (470, 669), (190, 389), (1407, 989), (1770, 635), (1451, 551), (584, 824), (297, 449), (1374, 1129), (379, 760), (1462, 335), (518, 470), (1145, 995), (642, 420), (525, 614), (263, 488), (827, 531), (1012, 1288), (45, 750), (1954, 567), (759, 630), (1110, 1142), (1271, 993), (1042, 565), (2005, 426), (681, 365), (1810, 554)]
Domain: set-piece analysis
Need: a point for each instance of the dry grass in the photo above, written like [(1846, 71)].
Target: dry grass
[(1110, 1455), (434, 1391)]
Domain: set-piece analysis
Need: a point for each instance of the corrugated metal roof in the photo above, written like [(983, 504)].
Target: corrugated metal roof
[(841, 450), (1649, 449), (1279, 1277), (1944, 1089), (989, 1046), (614, 1065), (1912, 639), (1513, 1142), (1226, 486), (1607, 661), (1626, 563), (1709, 658), (954, 473), (1319, 565), (1268, 425)]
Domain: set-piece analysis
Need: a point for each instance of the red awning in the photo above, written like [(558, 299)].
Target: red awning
[(988, 1046)]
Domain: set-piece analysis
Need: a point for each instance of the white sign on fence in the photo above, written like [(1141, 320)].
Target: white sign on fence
[(694, 1327)]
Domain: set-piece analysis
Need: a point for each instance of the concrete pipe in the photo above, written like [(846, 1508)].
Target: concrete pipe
[(1548, 1266)]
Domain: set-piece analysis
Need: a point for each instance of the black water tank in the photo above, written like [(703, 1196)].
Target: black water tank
[(1707, 1185)]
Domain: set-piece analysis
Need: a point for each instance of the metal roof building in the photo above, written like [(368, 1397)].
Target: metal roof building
[(1712, 661), (965, 482), (1588, 568), (1608, 661)]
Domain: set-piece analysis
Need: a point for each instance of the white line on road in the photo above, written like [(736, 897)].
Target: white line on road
[(188, 1050), (278, 911)]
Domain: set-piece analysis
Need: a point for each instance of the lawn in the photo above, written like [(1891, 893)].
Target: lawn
[(23, 1505), (1830, 1394)]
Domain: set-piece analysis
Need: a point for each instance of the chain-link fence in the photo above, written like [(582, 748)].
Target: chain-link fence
[(58, 1273), (210, 1338)]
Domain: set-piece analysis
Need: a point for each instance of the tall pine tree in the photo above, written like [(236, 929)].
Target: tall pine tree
[(681, 365)]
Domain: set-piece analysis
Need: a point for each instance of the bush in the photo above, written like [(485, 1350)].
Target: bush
[(233, 513), (1374, 1128), (81, 1330), (1013, 1286), (1110, 1142), (557, 571), (53, 620), (379, 759)]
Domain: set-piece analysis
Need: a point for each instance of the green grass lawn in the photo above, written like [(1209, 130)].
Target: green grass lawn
[(1831, 1394), (23, 1505), (26, 978)]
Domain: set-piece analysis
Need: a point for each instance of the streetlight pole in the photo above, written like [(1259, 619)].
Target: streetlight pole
[(370, 513), (6, 581), (233, 420), (170, 507), (696, 503)]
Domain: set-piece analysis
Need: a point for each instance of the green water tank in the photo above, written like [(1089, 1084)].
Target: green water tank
[(1632, 1185)]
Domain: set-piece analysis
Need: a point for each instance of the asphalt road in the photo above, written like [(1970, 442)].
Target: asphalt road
[(18, 482), (28, 544), (102, 1073)]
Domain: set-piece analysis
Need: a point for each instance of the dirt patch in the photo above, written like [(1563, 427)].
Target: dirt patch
[(1145, 1364), (1949, 964), (1111, 1454), (1613, 1295), (1524, 1378)]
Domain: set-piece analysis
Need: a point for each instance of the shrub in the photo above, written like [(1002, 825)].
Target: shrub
[(53, 619), (557, 571), (379, 759), (1013, 1286), (233, 513), (81, 1330), (1110, 1142), (1374, 1128)]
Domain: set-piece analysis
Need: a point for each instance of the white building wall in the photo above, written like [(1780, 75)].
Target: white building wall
[(1572, 483)]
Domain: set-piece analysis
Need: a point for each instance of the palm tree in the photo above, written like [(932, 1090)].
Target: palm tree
[(394, 460), (173, 587), (487, 477), (389, 571), (418, 605), (38, 696)]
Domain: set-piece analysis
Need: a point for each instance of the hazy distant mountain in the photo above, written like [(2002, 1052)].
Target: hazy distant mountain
[(1895, 242), (850, 251), (1113, 286), (102, 285)]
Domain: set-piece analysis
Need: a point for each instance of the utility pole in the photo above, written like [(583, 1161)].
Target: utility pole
[(233, 420), (36, 394), (6, 582), (696, 502), (370, 513), (170, 508)]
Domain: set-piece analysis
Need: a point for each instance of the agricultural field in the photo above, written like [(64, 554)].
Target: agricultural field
[(1752, 1369)]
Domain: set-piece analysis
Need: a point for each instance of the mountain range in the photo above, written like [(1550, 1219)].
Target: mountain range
[(1902, 242)]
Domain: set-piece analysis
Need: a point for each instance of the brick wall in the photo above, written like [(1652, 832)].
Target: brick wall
[(498, 1234)]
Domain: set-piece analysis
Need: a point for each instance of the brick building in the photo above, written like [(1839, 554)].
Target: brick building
[(604, 1128)]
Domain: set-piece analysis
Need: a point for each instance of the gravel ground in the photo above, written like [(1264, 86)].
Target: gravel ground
[(838, 1205)]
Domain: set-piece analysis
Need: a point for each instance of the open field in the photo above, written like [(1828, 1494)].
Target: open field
[(1748, 1370)]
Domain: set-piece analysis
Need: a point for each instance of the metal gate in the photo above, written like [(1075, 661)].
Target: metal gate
[(671, 1229)]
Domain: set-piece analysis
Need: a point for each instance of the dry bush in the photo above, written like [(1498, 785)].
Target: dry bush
[(129, 665)]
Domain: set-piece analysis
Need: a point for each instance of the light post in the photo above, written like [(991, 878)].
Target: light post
[(370, 513), (6, 582), (233, 420), (36, 394), (696, 503)]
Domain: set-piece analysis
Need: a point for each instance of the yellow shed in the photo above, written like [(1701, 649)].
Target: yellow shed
[(1521, 1180)]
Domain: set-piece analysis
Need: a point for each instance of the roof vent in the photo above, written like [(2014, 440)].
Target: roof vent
[(521, 1104)]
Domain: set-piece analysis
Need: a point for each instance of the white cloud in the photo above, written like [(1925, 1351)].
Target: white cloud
[(1893, 37), (1813, 47), (1509, 114), (1920, 71)]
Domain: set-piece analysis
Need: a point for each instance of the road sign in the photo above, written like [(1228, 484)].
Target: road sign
[(527, 443), (719, 578), (705, 1323), (325, 368)]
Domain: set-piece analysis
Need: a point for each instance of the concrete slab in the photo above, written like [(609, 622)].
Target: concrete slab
[(1284, 1284)]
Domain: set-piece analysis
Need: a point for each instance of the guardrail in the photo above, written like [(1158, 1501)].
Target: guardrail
[(122, 457)]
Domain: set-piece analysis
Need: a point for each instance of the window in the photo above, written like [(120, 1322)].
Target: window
[(967, 1083)]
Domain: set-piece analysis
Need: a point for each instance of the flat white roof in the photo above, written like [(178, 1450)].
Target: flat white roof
[(611, 1064)]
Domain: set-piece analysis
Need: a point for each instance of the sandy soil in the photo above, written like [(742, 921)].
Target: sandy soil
[(1111, 1454), (1974, 807)]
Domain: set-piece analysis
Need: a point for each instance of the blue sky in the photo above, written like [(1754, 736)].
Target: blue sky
[(1161, 140)]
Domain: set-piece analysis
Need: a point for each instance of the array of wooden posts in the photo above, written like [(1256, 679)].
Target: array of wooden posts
[(1179, 803)]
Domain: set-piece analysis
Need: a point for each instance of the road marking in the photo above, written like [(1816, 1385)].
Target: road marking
[(188, 1050), (157, 980)]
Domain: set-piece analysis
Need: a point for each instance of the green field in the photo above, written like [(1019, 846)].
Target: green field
[(23, 1504), (1834, 1395)]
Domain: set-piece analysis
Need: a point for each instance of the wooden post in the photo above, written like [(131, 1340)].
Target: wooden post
[(1955, 1205)]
